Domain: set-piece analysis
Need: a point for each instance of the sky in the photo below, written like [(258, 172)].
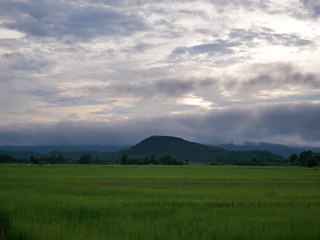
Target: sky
[(114, 72)]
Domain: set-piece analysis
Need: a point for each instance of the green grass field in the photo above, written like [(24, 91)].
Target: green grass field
[(158, 202)]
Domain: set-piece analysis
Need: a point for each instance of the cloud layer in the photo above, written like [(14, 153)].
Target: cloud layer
[(117, 71), (279, 123)]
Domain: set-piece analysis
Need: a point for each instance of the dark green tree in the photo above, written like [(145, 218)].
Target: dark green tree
[(85, 159), (317, 158), (293, 159), (5, 158), (154, 160), (146, 160), (34, 160), (312, 162), (124, 159), (304, 157), (166, 160)]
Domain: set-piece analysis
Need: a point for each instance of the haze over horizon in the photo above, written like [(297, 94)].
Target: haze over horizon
[(115, 72)]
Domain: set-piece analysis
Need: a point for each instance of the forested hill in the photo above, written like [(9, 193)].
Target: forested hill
[(182, 150), (177, 147)]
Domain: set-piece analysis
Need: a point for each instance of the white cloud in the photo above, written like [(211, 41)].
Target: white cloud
[(10, 34)]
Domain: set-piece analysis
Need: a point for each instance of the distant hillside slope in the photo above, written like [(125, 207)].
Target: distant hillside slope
[(63, 148), (284, 151), (181, 150)]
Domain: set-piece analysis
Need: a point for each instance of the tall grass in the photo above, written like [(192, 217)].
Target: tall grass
[(158, 202)]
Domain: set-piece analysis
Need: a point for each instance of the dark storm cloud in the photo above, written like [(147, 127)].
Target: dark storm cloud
[(65, 19), (312, 6), (268, 121), (257, 79), (279, 76), (259, 123), (163, 88), (218, 47), (270, 37), (269, 77)]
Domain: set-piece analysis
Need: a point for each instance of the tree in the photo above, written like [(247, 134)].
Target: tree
[(34, 160), (304, 157), (5, 158), (124, 159), (293, 159), (146, 160), (154, 160), (166, 160), (312, 162), (317, 158), (85, 159), (169, 160)]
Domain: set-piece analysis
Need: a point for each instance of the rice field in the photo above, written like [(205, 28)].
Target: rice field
[(102, 202)]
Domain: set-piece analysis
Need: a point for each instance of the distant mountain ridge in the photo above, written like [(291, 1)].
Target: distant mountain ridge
[(64, 148), (160, 146), (282, 150)]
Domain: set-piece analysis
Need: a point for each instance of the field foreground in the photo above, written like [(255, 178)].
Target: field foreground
[(158, 202)]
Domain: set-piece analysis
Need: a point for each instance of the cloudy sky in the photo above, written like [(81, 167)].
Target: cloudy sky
[(114, 72)]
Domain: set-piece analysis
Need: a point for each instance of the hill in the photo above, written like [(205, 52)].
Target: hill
[(177, 147), (181, 150), (282, 150)]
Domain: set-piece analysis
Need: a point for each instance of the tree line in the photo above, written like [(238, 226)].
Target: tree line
[(304, 159), (251, 162), (152, 159)]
